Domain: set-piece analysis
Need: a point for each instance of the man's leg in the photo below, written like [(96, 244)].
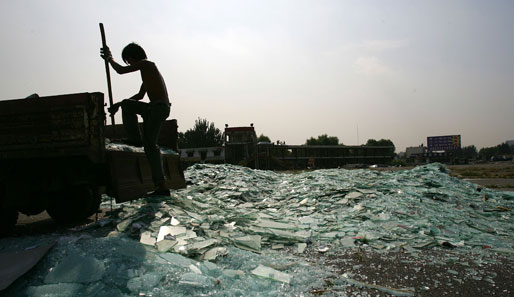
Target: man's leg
[(152, 123), (130, 109)]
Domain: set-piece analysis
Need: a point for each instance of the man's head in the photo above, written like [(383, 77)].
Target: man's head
[(133, 53)]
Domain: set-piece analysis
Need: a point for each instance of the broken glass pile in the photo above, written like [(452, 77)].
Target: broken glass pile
[(416, 208), (235, 230), (115, 146)]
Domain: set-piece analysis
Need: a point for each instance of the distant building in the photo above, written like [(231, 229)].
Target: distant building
[(237, 135), (510, 142), (415, 151), (445, 143), (240, 144), (240, 147)]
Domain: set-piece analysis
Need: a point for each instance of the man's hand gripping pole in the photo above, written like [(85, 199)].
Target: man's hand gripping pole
[(106, 50)]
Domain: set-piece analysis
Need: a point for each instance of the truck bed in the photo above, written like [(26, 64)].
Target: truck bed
[(53, 126), (61, 142)]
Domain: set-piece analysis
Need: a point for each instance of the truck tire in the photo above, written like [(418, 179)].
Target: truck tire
[(8, 218), (31, 211), (8, 213), (94, 203), (36, 206), (71, 205)]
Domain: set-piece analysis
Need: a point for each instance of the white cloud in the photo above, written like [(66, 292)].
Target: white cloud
[(370, 66), (382, 45)]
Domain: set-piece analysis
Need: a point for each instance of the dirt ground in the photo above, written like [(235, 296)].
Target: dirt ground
[(43, 223), (498, 175), (365, 272), (434, 272), (496, 170)]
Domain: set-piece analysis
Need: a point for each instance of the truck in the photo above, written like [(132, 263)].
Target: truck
[(55, 155)]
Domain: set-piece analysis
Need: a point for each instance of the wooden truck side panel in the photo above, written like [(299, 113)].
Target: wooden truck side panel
[(53, 126), (131, 175)]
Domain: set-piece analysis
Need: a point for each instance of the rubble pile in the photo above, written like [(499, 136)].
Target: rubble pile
[(235, 230)]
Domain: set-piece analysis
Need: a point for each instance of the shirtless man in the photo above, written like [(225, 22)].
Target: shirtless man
[(153, 113)]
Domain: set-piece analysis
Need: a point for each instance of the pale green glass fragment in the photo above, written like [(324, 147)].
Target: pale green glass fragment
[(165, 245), (233, 273), (144, 282), (176, 259), (76, 268), (55, 290), (271, 273), (174, 221), (195, 280), (201, 245), (213, 253), (171, 230), (249, 242), (195, 269), (147, 238), (123, 225), (274, 225), (353, 195)]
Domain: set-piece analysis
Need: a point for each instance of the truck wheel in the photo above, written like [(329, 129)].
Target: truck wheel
[(70, 206), (8, 218), (31, 211), (36, 206), (94, 202)]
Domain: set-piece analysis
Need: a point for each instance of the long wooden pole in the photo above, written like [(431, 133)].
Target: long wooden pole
[(107, 71)]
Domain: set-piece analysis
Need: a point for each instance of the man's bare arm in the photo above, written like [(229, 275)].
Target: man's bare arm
[(141, 94), (125, 69), (105, 53)]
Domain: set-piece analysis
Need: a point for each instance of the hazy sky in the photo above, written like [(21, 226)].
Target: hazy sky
[(400, 70)]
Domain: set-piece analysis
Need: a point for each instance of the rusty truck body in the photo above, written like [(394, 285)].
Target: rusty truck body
[(53, 157)]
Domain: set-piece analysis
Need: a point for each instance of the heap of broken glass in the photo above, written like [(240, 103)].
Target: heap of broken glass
[(235, 206), (236, 230)]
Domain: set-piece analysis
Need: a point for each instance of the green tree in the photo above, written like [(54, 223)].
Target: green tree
[(263, 138), (323, 139), (203, 134), (381, 142), (501, 149), (469, 152)]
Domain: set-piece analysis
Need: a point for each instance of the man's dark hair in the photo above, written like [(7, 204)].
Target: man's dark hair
[(134, 51)]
